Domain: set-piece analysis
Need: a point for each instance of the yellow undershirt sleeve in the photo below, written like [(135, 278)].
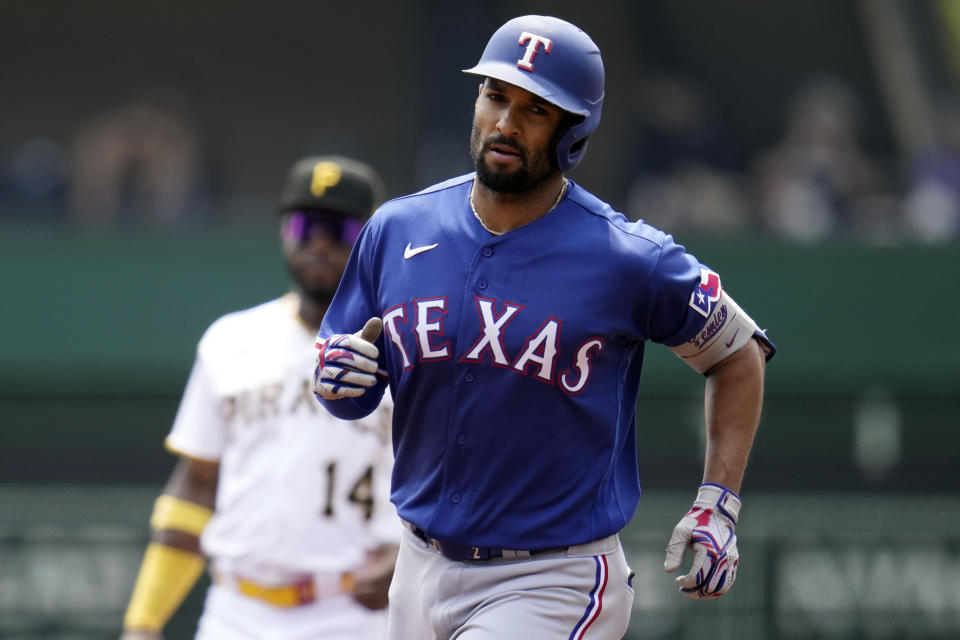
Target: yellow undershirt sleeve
[(167, 574), (166, 577)]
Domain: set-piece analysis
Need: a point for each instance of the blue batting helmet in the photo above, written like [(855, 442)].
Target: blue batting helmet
[(557, 61)]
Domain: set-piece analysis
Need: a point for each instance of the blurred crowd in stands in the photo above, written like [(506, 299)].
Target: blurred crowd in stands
[(141, 165), (137, 165), (816, 182)]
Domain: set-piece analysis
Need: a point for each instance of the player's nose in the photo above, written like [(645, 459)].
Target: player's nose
[(508, 122)]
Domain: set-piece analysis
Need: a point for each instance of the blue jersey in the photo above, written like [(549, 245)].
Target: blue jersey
[(514, 360)]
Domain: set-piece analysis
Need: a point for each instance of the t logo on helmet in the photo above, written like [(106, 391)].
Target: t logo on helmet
[(325, 175), (526, 62)]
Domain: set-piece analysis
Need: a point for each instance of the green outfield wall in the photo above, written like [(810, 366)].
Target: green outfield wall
[(99, 334), (122, 315)]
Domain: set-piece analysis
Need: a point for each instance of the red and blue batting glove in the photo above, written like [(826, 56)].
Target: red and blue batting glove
[(347, 363), (707, 531)]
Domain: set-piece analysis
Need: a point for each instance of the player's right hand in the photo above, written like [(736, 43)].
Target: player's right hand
[(369, 583), (347, 363)]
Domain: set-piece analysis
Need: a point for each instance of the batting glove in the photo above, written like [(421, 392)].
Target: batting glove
[(707, 531), (347, 363)]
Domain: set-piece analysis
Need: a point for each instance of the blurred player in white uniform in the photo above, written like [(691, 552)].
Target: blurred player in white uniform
[(288, 503)]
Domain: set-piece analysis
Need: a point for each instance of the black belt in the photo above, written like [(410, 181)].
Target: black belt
[(470, 553)]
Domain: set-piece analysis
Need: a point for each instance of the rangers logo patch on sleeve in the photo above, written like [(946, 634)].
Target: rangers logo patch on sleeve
[(706, 295)]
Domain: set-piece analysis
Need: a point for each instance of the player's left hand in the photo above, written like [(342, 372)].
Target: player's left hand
[(347, 363), (707, 531), (370, 583)]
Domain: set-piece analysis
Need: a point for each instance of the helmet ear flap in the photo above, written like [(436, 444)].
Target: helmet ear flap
[(556, 144), (569, 143)]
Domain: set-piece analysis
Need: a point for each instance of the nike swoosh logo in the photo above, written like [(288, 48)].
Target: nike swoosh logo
[(733, 338), (409, 252)]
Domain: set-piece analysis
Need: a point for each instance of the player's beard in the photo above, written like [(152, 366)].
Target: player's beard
[(534, 168), (320, 296), (319, 293)]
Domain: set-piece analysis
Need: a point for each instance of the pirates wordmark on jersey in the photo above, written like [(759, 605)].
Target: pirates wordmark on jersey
[(265, 402)]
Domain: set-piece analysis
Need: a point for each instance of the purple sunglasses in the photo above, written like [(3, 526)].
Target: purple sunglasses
[(301, 224)]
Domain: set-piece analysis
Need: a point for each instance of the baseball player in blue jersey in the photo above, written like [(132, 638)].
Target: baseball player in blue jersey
[(508, 311)]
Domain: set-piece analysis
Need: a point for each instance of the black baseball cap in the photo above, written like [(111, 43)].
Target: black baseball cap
[(332, 183)]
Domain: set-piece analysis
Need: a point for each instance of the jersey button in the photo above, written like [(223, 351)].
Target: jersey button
[(487, 252), (482, 283), (469, 377), (461, 439), (455, 498)]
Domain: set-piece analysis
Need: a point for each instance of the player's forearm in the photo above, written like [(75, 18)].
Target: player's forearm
[(172, 563), (354, 408), (187, 503), (733, 401), (178, 540)]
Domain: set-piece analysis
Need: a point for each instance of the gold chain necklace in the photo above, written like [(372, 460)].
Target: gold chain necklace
[(563, 190)]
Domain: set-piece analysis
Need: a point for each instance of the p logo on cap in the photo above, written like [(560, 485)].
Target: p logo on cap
[(325, 175)]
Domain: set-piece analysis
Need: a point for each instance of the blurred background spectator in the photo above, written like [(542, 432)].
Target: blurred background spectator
[(34, 174), (686, 159), (932, 205), (139, 164), (818, 182)]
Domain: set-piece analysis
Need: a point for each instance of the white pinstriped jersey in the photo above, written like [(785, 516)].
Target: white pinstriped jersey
[(299, 490)]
